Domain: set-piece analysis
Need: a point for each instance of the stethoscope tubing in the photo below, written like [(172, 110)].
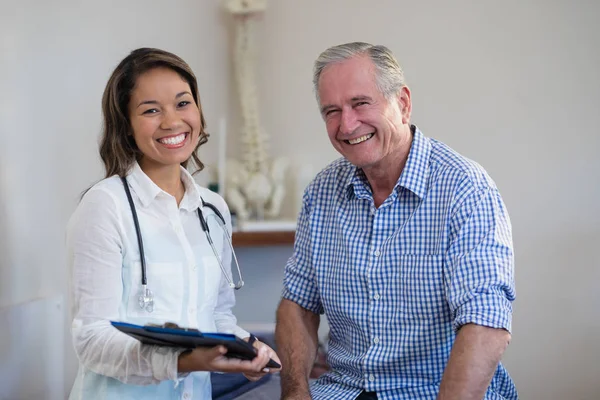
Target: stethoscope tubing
[(146, 297)]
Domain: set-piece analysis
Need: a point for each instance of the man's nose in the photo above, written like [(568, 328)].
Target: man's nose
[(171, 120), (349, 122)]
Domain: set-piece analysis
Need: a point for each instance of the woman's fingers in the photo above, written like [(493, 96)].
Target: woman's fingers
[(215, 359), (270, 355)]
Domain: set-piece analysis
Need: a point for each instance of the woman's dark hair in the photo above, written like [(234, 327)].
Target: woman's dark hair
[(118, 149)]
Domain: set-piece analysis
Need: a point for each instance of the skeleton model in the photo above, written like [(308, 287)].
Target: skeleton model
[(254, 187)]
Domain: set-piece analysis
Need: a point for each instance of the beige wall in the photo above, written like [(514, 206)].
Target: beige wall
[(511, 84)]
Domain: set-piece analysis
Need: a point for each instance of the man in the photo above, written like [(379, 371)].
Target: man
[(406, 247)]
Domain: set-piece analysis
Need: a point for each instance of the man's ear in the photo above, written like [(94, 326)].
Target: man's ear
[(405, 104)]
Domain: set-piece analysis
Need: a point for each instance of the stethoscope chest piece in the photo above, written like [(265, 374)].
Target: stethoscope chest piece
[(146, 299)]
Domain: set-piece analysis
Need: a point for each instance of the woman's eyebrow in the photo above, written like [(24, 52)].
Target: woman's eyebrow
[(156, 102)]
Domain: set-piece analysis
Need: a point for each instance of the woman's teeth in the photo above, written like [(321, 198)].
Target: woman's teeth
[(173, 139), (360, 139)]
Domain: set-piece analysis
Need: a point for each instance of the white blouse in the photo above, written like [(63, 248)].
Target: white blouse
[(182, 272)]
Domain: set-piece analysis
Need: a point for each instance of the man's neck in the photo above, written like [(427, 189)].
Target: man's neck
[(383, 180), (384, 176)]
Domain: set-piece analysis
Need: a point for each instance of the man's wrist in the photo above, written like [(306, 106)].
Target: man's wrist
[(297, 395), (298, 390)]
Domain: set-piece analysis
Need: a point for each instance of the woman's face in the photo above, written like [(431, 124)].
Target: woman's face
[(164, 117)]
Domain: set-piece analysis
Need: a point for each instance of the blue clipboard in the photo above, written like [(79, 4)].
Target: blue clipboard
[(189, 339)]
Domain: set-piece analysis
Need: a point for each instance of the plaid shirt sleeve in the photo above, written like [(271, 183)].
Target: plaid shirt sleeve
[(299, 284), (480, 269)]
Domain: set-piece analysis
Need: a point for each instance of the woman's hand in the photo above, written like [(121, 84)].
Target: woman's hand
[(263, 350), (213, 359)]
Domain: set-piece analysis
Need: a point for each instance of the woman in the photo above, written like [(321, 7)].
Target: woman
[(153, 125)]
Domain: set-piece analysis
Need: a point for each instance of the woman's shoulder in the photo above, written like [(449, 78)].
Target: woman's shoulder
[(107, 191), (99, 206)]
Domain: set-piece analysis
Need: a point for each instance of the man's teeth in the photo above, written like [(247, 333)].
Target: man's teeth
[(173, 139), (360, 139)]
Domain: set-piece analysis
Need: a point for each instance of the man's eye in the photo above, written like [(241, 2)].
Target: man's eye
[(361, 103), (330, 113)]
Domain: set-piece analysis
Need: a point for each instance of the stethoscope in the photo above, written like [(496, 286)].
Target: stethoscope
[(146, 297)]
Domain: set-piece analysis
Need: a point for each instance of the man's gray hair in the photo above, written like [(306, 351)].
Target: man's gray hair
[(389, 76)]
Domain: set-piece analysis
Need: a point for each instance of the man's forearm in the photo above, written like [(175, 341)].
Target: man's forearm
[(474, 358), (297, 341)]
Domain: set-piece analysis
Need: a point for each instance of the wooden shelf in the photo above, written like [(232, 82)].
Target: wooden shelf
[(262, 238)]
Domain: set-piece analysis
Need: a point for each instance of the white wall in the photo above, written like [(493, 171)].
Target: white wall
[(511, 84)]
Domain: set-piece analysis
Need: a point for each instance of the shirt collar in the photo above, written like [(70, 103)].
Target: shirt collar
[(147, 190), (414, 176), (191, 199)]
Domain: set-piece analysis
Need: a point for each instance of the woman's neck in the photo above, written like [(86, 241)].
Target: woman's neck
[(166, 177)]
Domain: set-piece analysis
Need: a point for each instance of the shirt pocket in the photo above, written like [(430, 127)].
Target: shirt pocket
[(165, 281), (421, 292), (210, 281)]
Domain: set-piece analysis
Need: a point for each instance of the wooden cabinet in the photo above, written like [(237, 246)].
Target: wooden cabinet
[(262, 238)]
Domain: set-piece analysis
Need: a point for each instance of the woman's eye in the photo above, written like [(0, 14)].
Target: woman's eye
[(183, 103), (150, 111)]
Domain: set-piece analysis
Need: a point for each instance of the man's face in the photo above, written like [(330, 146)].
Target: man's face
[(363, 126)]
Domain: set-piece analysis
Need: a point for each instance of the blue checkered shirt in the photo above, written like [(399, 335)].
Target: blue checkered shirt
[(396, 282)]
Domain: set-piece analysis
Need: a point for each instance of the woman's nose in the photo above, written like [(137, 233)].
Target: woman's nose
[(171, 120)]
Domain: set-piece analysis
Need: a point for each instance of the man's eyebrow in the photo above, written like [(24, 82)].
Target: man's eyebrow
[(156, 102), (361, 98), (326, 108), (354, 99)]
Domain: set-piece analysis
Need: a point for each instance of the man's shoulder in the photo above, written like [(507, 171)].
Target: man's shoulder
[(447, 163), (334, 176)]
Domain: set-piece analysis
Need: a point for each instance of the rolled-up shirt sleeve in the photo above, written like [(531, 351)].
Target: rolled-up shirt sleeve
[(299, 283), (479, 263), (95, 246)]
